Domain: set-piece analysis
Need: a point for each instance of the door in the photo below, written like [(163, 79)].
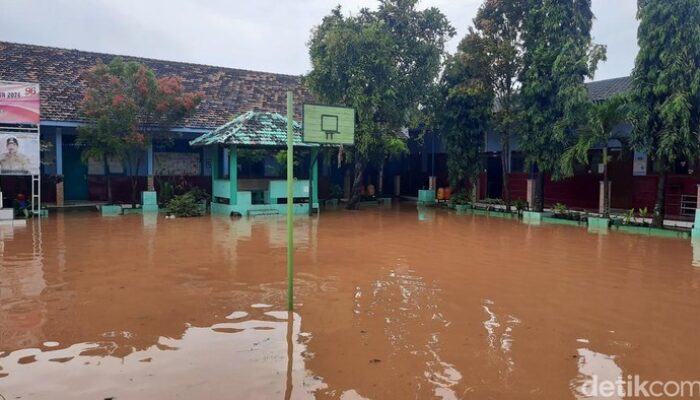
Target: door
[(494, 176), (75, 184)]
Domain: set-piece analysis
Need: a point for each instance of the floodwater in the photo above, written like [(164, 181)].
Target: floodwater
[(390, 304)]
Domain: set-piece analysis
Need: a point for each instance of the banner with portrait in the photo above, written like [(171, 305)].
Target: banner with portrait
[(19, 153)]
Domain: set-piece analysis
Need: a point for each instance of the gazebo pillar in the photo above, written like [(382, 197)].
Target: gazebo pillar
[(215, 162), (313, 177), (233, 174)]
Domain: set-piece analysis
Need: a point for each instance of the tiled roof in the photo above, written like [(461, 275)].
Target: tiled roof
[(228, 92), (603, 90), (252, 128)]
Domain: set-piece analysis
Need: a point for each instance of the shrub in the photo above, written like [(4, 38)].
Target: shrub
[(561, 209), (185, 205), (461, 198), (520, 205), (199, 194), (336, 192), (167, 191)]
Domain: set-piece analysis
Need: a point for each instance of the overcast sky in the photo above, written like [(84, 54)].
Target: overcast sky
[(264, 35)]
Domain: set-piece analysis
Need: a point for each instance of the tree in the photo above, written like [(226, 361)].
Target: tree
[(607, 116), (464, 109), (381, 63), (498, 24), (127, 107), (558, 54), (666, 87)]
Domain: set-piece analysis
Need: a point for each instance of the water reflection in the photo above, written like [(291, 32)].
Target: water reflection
[(500, 335), (426, 213), (250, 354), (388, 306), (695, 243), (386, 311), (593, 369)]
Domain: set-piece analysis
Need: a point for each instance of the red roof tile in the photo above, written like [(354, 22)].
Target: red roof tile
[(228, 92)]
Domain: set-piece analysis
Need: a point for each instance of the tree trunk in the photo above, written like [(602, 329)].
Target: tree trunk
[(505, 153), (134, 180), (134, 186), (380, 182), (355, 192), (660, 206), (539, 192), (606, 185), (108, 181)]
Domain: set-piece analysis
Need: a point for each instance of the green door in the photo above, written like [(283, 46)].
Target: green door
[(75, 185)]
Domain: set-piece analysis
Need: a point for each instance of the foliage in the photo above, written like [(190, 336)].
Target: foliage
[(560, 209), (558, 54), (381, 63), (643, 213), (498, 24), (629, 217), (199, 194), (251, 155), (666, 86), (336, 192), (605, 118), (461, 198), (464, 108), (185, 205), (167, 191), (127, 106), (520, 205)]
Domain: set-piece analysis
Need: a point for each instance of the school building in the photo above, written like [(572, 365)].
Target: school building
[(230, 93)]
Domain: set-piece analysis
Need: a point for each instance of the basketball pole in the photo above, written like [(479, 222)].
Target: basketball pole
[(290, 201)]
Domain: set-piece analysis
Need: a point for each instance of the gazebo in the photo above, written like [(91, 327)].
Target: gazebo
[(262, 189)]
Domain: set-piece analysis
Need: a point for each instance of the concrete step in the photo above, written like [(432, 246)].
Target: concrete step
[(7, 214)]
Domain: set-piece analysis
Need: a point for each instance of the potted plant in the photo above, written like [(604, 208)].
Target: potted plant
[(461, 201)]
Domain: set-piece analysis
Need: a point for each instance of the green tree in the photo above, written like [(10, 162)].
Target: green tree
[(463, 110), (666, 87), (607, 116), (127, 107), (499, 23), (558, 54), (381, 63)]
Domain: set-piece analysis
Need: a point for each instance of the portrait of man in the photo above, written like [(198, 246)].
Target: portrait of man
[(12, 160)]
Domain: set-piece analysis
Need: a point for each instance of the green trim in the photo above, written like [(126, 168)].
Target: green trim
[(598, 222), (462, 208), (532, 216), (649, 231), (561, 221), (111, 210), (499, 214)]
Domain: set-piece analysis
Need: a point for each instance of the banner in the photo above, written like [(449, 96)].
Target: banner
[(19, 153), (639, 165), (19, 103), (177, 164)]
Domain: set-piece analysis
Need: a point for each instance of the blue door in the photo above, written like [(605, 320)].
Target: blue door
[(75, 184)]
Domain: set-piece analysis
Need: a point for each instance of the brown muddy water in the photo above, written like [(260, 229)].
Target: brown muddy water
[(391, 304)]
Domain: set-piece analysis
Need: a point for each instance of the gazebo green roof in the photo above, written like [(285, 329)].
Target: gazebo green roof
[(265, 129)]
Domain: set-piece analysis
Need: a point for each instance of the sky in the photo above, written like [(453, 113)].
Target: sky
[(261, 35)]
